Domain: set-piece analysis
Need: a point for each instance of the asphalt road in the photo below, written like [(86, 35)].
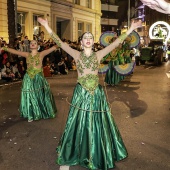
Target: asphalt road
[(140, 107)]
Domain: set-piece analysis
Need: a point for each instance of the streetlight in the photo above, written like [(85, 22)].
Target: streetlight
[(128, 13)]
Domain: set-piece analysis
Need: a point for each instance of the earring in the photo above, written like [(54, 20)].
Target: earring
[(82, 47), (93, 47)]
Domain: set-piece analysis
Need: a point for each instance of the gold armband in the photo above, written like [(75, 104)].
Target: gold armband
[(123, 36), (56, 39), (5, 48)]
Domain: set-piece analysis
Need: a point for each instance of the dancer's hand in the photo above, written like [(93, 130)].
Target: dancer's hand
[(158, 5), (136, 24), (42, 21)]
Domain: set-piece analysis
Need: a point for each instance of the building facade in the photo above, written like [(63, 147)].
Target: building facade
[(148, 16), (68, 18), (109, 19)]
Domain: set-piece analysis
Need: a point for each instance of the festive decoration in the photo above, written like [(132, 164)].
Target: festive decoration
[(133, 39), (103, 68), (125, 69), (160, 30), (106, 38)]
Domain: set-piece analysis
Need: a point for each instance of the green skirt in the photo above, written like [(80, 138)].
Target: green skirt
[(91, 138), (37, 101), (112, 77)]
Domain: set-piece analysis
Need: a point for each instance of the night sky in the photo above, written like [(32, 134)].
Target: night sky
[(123, 7), (122, 12)]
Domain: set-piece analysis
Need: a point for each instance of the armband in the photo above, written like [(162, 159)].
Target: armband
[(5, 48), (123, 36), (56, 39)]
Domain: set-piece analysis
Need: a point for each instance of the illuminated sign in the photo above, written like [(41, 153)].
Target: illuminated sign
[(160, 30)]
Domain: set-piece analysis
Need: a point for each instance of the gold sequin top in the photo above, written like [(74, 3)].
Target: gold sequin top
[(33, 64)]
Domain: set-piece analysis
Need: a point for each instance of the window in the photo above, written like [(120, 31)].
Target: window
[(88, 27), (76, 2), (103, 1), (110, 2), (84, 27), (88, 3), (109, 14), (80, 28), (21, 23), (36, 25)]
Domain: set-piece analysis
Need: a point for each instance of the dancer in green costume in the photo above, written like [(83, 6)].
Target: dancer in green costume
[(37, 101), (91, 138), (127, 51), (116, 58)]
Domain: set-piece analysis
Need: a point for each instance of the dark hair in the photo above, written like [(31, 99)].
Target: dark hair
[(81, 37), (15, 39)]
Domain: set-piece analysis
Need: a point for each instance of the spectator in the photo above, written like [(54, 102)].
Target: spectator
[(7, 73), (54, 69), (47, 70), (73, 64), (16, 71), (4, 54), (137, 56), (62, 67), (41, 36), (41, 46), (68, 63), (21, 69), (57, 55), (47, 61), (26, 44)]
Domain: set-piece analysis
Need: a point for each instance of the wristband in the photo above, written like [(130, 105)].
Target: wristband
[(123, 36), (5, 48), (56, 39)]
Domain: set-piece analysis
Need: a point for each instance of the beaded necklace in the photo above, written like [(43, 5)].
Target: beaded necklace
[(33, 59), (87, 62)]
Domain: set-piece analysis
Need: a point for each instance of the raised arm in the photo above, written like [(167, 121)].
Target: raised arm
[(48, 51), (56, 39), (158, 5), (10, 50), (119, 40)]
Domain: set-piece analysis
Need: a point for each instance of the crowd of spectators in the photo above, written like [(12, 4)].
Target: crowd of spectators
[(13, 67)]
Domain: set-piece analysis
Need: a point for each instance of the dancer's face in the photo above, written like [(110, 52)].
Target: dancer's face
[(33, 44), (87, 40)]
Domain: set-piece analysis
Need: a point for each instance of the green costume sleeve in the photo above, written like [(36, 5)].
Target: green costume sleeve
[(56, 39), (105, 58)]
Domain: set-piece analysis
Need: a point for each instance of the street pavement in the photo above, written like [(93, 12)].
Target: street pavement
[(140, 106)]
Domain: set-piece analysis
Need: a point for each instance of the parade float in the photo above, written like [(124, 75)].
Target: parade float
[(159, 34)]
